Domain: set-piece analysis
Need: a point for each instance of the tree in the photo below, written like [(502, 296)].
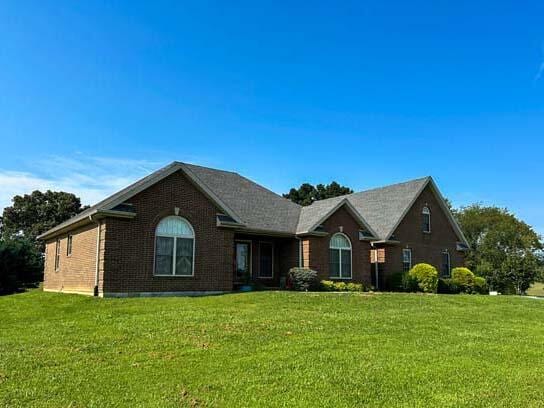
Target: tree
[(306, 194), (33, 214), (503, 248), (21, 264)]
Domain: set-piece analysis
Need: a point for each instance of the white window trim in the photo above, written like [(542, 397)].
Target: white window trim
[(407, 250), (340, 257), (273, 253), (446, 252), (427, 211), (192, 236)]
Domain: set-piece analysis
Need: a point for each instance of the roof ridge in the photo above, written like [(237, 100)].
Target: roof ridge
[(394, 185), (372, 189), (204, 167)]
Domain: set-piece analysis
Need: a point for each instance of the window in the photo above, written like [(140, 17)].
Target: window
[(445, 271), (406, 259), (340, 257), (174, 247), (69, 243), (266, 260), (426, 214), (57, 255)]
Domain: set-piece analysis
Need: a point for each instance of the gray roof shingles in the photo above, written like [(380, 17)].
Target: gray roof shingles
[(381, 208), (263, 210)]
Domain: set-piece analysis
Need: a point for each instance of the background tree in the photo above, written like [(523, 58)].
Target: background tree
[(21, 254), (503, 248), (306, 194), (32, 214)]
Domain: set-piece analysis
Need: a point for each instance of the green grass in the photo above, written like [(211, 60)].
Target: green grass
[(536, 290), (271, 349)]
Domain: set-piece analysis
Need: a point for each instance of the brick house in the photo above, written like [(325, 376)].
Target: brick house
[(186, 229)]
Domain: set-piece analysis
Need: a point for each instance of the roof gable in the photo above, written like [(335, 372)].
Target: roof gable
[(311, 217), (247, 203), (255, 208), (385, 207)]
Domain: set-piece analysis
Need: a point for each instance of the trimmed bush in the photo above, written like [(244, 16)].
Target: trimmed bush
[(355, 287), (480, 285), (409, 283), (330, 286), (303, 279), (394, 282), (426, 276), (447, 287), (464, 279), (327, 286)]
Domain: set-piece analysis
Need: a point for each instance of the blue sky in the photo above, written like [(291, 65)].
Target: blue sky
[(95, 94)]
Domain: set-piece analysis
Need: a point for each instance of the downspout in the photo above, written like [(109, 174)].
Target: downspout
[(97, 266)]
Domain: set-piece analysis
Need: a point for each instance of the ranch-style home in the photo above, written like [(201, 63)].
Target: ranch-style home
[(187, 229)]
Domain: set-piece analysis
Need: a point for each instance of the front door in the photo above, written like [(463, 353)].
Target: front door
[(242, 271)]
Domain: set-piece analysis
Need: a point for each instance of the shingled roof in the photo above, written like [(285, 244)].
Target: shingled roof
[(383, 208), (249, 204), (255, 208)]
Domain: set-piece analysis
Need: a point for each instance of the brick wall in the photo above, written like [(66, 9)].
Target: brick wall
[(76, 273), (130, 243), (425, 247), (316, 249)]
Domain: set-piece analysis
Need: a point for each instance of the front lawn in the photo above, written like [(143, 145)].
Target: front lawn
[(271, 349)]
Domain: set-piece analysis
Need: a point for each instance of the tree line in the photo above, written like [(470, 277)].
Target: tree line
[(503, 249)]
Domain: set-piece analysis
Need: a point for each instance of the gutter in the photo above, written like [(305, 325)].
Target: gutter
[(97, 266)]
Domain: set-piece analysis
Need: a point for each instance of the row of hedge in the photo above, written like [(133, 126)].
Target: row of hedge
[(303, 279), (424, 278), (421, 278)]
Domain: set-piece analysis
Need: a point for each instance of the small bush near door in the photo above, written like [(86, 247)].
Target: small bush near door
[(303, 279)]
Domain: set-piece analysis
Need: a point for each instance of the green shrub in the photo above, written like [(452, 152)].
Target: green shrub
[(341, 287), (464, 279), (355, 287), (394, 282), (426, 276), (447, 287), (327, 286), (480, 285), (409, 283), (303, 279), (330, 286), (21, 265)]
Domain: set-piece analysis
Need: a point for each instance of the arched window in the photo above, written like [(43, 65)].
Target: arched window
[(174, 247), (340, 257), (426, 216)]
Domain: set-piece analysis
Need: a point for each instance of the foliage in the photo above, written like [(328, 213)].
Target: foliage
[(21, 265), (503, 249), (480, 285), (426, 276), (59, 350), (330, 286), (394, 282), (306, 194), (33, 214), (447, 287), (463, 278), (303, 279)]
